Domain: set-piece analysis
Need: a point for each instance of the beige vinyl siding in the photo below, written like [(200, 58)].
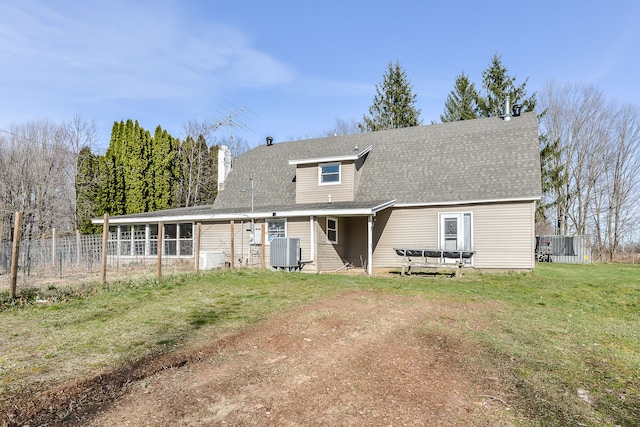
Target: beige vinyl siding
[(330, 256), (502, 233), (308, 190), (415, 228), (356, 235), (215, 237), (300, 228), (504, 237)]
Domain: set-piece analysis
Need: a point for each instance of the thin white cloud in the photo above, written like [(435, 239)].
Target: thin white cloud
[(100, 50), (324, 88)]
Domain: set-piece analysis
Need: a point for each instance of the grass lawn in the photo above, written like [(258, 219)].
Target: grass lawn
[(565, 337)]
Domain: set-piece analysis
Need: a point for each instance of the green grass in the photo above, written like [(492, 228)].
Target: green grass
[(549, 333)]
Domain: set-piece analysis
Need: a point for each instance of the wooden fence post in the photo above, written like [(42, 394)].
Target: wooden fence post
[(160, 244), (105, 243), (13, 275)]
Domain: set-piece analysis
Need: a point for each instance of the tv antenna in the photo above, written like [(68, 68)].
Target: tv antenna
[(231, 119)]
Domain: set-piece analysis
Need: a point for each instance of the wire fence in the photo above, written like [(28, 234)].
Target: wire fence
[(52, 260)]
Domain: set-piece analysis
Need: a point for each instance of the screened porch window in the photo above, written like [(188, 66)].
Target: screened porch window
[(141, 240)]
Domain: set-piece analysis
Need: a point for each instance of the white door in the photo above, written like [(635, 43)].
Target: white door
[(455, 232)]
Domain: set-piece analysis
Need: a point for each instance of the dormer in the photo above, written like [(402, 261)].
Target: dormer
[(329, 179)]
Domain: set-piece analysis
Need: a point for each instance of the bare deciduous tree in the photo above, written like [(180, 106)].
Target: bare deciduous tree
[(599, 148), (199, 171), (37, 172)]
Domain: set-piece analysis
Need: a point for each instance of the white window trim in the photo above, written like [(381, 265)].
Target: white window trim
[(321, 165), (117, 239), (330, 218), (178, 240), (461, 229), (266, 231)]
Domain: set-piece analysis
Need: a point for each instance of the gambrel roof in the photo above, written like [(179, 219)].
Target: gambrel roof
[(471, 161)]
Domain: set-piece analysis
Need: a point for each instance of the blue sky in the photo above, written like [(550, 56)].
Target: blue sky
[(294, 67)]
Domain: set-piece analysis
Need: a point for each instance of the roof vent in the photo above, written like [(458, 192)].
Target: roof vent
[(516, 110), (269, 141), (507, 112)]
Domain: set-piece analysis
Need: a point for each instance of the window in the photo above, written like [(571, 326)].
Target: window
[(455, 232), (276, 228), (112, 244), (170, 239), (153, 239), (142, 240), (332, 230), (139, 234), (186, 239), (329, 173), (178, 239), (125, 240)]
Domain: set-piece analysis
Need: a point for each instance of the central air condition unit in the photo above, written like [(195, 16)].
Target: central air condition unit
[(211, 260), (285, 253)]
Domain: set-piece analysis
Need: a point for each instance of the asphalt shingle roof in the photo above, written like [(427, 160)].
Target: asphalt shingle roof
[(477, 160)]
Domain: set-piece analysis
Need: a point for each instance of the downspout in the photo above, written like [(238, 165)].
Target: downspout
[(370, 245)]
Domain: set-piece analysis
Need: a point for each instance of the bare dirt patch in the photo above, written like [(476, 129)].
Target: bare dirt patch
[(362, 358)]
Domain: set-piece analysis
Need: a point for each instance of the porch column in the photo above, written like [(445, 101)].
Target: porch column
[(370, 245), (312, 240)]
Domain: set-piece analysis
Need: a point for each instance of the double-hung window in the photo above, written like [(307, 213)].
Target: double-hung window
[(332, 230), (329, 173), (276, 228)]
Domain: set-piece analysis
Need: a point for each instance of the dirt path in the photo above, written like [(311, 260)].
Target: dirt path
[(363, 358)]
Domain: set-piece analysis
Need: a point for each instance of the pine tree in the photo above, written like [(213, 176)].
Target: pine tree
[(497, 87), (394, 104), (461, 103), (552, 174)]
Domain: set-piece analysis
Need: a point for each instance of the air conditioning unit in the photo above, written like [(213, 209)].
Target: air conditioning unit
[(211, 260), (285, 253)]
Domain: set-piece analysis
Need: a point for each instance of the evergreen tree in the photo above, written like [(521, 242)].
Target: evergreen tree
[(165, 170), (137, 164), (461, 103), (139, 173), (86, 184), (552, 174), (111, 189), (394, 104), (497, 87)]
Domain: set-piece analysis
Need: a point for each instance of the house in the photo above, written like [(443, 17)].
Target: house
[(468, 186)]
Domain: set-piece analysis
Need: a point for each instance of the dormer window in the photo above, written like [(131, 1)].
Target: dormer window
[(329, 173)]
